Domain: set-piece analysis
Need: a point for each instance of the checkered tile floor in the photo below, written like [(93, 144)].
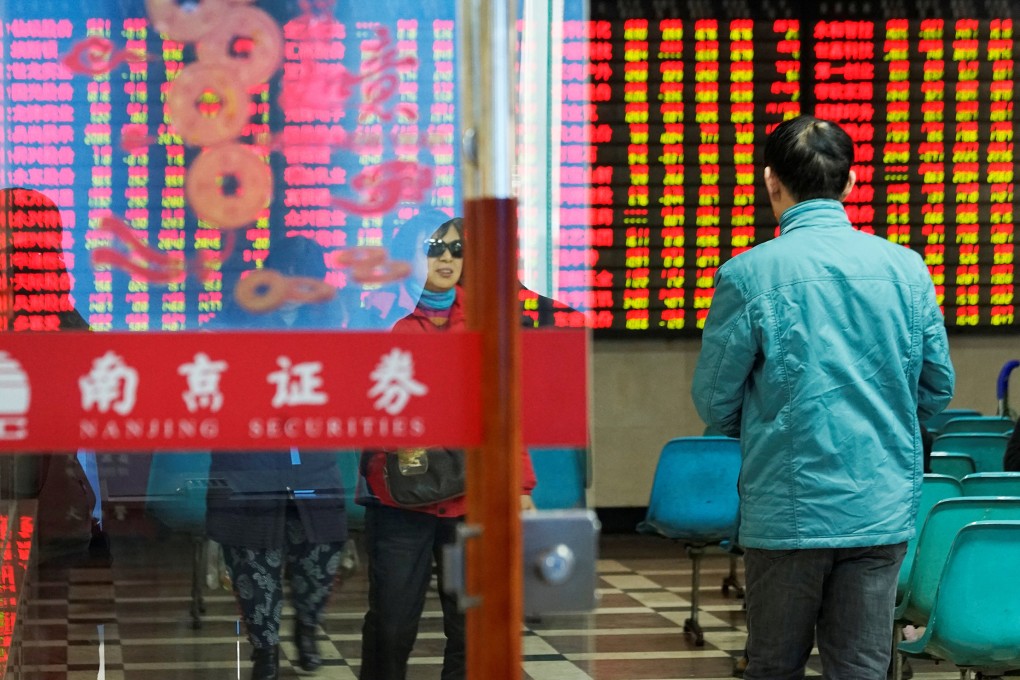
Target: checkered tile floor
[(131, 621)]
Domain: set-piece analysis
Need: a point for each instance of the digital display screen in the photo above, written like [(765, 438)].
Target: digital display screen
[(178, 156), (682, 107), (173, 146)]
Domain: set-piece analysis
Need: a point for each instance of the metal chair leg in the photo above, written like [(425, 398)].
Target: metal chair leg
[(198, 566), (691, 625), (897, 657), (731, 580)]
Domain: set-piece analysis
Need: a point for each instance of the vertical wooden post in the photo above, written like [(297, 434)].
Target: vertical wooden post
[(488, 33), (494, 558)]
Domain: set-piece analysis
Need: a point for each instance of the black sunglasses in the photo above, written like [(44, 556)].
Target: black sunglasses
[(435, 247)]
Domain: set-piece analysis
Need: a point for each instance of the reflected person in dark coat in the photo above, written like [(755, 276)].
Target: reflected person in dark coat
[(281, 512), (36, 296)]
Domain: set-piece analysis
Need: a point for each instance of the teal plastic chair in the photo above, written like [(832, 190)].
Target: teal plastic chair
[(955, 465), (175, 495), (934, 488), (975, 617), (987, 449), (694, 500), (563, 478), (978, 425), (944, 521), (935, 423), (991, 484)]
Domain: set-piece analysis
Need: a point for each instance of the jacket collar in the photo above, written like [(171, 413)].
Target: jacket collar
[(815, 212)]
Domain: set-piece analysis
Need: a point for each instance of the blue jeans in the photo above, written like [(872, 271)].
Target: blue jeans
[(845, 596)]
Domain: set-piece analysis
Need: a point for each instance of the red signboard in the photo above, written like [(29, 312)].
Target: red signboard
[(272, 390), (554, 387)]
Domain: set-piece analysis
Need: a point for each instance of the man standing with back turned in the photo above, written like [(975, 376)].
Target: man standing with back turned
[(823, 349)]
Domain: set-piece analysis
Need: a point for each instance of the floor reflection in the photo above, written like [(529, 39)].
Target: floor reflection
[(131, 618)]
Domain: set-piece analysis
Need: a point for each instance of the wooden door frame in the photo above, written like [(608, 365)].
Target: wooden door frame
[(494, 558)]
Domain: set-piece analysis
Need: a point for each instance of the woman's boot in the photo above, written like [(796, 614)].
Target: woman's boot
[(265, 663), (308, 649)]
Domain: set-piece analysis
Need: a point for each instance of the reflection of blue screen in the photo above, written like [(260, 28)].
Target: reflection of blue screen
[(374, 90)]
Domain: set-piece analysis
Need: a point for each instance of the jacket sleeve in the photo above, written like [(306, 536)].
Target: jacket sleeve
[(728, 350), (937, 381)]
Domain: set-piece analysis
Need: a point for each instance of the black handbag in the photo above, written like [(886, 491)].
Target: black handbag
[(416, 477)]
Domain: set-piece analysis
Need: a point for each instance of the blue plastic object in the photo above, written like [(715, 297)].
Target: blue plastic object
[(694, 500), (935, 423), (978, 425), (986, 449), (934, 488), (944, 521), (1002, 389), (562, 476), (1002, 384), (955, 465), (991, 484), (975, 619), (176, 496), (177, 488), (694, 492)]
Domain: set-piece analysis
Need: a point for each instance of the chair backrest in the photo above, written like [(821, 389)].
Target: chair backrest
[(562, 478), (934, 488), (694, 492), (974, 620), (955, 465), (944, 521), (935, 423), (978, 425), (177, 488), (987, 449), (991, 484)]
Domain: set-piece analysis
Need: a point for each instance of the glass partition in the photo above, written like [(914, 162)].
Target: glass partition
[(230, 231)]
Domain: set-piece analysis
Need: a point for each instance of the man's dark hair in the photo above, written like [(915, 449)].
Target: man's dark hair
[(811, 157)]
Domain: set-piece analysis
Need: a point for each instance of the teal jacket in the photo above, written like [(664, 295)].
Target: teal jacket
[(822, 350)]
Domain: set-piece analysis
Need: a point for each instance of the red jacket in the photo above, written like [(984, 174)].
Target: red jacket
[(416, 321)]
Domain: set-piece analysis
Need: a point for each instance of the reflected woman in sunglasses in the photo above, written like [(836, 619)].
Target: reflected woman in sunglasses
[(385, 304), (402, 542)]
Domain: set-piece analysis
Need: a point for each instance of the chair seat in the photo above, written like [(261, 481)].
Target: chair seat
[(955, 465), (977, 425), (935, 423), (987, 449), (975, 619), (562, 476), (934, 488), (694, 500), (694, 492), (991, 484), (687, 536), (934, 544)]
